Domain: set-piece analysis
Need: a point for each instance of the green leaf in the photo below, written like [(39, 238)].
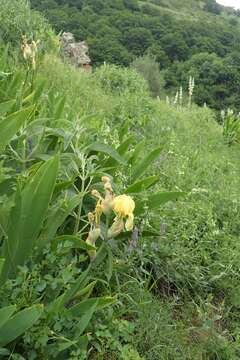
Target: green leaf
[(6, 106), (142, 166), (107, 150), (28, 98), (101, 254), (59, 108), (2, 261), (109, 264), (163, 197), (86, 291), (11, 124), (156, 200), (65, 345), (4, 352), (56, 218), (59, 303), (11, 243), (19, 323), (138, 149), (63, 186), (82, 307), (122, 149), (85, 319), (5, 314), (83, 342), (142, 185), (28, 214), (74, 242)]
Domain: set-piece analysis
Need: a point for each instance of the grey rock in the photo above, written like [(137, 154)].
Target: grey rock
[(75, 52)]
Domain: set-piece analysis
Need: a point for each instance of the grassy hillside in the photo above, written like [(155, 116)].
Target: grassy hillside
[(83, 273)]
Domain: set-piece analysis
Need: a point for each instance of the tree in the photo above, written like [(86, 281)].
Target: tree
[(213, 7), (175, 47), (149, 69), (138, 40)]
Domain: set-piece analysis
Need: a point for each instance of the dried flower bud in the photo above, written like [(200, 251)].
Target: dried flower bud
[(99, 208), (106, 179), (93, 236), (96, 194), (116, 228), (91, 217), (108, 187)]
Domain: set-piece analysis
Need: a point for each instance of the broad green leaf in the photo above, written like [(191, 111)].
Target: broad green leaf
[(11, 124), (4, 352), (59, 108), (150, 233), (85, 319), (59, 303), (6, 106), (19, 323), (79, 284), (28, 214), (101, 254), (2, 261), (28, 98), (142, 165), (83, 342), (5, 314), (135, 155), (122, 149), (35, 200), (63, 186), (142, 185), (39, 90), (163, 197), (64, 345), (74, 242), (86, 291), (82, 307), (156, 200), (11, 243), (56, 218), (107, 150)]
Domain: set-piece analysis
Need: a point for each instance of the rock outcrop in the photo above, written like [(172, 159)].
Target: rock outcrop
[(75, 52)]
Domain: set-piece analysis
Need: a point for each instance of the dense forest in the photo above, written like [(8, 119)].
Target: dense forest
[(198, 39)]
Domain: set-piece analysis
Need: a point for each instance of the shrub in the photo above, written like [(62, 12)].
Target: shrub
[(149, 69), (120, 81)]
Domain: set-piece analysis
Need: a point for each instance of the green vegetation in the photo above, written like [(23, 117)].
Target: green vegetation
[(186, 38), (84, 274)]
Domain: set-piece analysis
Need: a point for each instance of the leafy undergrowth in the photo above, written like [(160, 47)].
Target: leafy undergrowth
[(77, 282)]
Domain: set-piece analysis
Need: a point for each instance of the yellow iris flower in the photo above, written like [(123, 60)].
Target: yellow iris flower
[(124, 205)]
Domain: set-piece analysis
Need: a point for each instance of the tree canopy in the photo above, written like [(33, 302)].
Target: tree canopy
[(200, 43)]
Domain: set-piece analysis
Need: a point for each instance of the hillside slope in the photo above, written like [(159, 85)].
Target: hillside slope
[(187, 38), (119, 216)]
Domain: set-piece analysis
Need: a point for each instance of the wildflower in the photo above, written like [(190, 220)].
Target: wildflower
[(124, 206), (29, 51)]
